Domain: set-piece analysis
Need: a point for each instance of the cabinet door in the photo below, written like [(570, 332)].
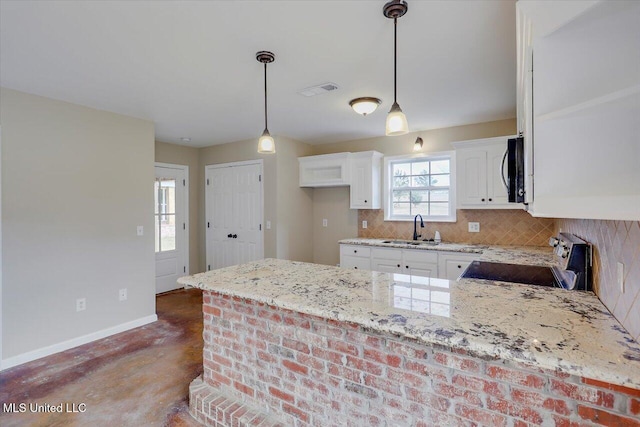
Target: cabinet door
[(361, 184), (452, 264), (355, 262), (496, 191), (472, 177), (386, 265), (424, 269), (420, 262), (453, 268)]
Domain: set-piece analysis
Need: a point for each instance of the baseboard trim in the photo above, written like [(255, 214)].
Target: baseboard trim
[(74, 342)]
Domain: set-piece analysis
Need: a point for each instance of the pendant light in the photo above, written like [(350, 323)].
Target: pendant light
[(396, 120), (266, 144)]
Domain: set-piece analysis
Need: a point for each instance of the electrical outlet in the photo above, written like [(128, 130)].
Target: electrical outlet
[(474, 227), (324, 222), (81, 304), (364, 224), (122, 294), (620, 274), (140, 230)]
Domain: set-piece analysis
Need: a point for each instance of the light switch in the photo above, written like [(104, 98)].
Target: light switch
[(268, 225), (364, 224), (140, 230), (324, 222)]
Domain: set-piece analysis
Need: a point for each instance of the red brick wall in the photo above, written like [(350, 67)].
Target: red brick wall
[(312, 371)]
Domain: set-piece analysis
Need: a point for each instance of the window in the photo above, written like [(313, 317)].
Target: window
[(420, 185), (165, 214)]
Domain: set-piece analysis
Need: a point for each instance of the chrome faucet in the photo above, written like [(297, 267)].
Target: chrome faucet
[(415, 228)]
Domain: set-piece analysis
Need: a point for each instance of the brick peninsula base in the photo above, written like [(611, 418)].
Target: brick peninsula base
[(268, 366)]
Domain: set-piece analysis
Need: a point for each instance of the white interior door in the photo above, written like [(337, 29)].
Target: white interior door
[(171, 228), (233, 213)]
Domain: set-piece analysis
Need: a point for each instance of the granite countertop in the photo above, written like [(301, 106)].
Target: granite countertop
[(546, 327), (531, 255)]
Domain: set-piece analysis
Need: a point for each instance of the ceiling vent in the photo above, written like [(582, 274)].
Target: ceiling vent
[(318, 89)]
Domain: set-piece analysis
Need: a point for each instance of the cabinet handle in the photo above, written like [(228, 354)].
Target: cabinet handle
[(459, 266), (229, 235), (483, 200), (365, 201), (398, 265), (235, 236), (491, 200), (406, 266), (355, 268), (355, 251)]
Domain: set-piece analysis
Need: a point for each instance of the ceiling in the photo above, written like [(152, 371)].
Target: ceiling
[(190, 65)]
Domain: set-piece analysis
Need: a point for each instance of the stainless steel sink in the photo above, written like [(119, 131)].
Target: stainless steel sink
[(412, 243)]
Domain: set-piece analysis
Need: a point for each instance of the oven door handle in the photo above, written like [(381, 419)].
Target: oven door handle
[(504, 181)]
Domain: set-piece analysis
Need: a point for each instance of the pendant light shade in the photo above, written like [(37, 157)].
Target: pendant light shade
[(396, 120), (266, 144)]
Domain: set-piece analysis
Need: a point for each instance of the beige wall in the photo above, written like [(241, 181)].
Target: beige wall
[(290, 234), (434, 140), (187, 156), (75, 185), (294, 204), (332, 204), (335, 201)]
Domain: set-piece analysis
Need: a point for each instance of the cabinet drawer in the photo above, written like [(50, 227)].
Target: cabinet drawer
[(355, 262), (420, 256), (355, 250), (394, 254)]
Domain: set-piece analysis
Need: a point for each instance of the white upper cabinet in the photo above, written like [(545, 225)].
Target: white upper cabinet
[(479, 174), (327, 170), (361, 171), (586, 107), (365, 180)]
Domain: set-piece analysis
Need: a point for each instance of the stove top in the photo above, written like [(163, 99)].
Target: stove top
[(516, 273), (573, 272)]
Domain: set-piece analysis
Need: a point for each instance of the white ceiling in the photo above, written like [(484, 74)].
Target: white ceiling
[(190, 65)]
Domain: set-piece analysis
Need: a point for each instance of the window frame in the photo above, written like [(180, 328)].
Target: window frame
[(407, 158)]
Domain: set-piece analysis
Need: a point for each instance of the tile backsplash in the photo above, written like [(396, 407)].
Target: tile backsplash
[(613, 242), (497, 227)]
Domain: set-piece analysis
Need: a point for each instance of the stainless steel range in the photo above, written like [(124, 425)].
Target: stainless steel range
[(573, 271)]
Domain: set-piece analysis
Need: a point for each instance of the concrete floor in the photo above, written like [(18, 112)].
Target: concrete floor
[(135, 378)]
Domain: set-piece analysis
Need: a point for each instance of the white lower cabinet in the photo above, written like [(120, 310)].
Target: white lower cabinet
[(356, 257), (416, 262), (420, 263), (386, 260), (451, 265)]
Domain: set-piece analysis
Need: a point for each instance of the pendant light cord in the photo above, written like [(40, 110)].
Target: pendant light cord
[(395, 59), (265, 96)]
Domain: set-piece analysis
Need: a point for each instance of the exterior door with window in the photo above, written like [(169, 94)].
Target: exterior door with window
[(233, 214), (171, 229)]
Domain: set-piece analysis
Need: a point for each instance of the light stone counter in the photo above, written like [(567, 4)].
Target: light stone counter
[(546, 327), (530, 255)]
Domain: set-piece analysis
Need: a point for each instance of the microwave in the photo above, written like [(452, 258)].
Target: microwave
[(515, 179)]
